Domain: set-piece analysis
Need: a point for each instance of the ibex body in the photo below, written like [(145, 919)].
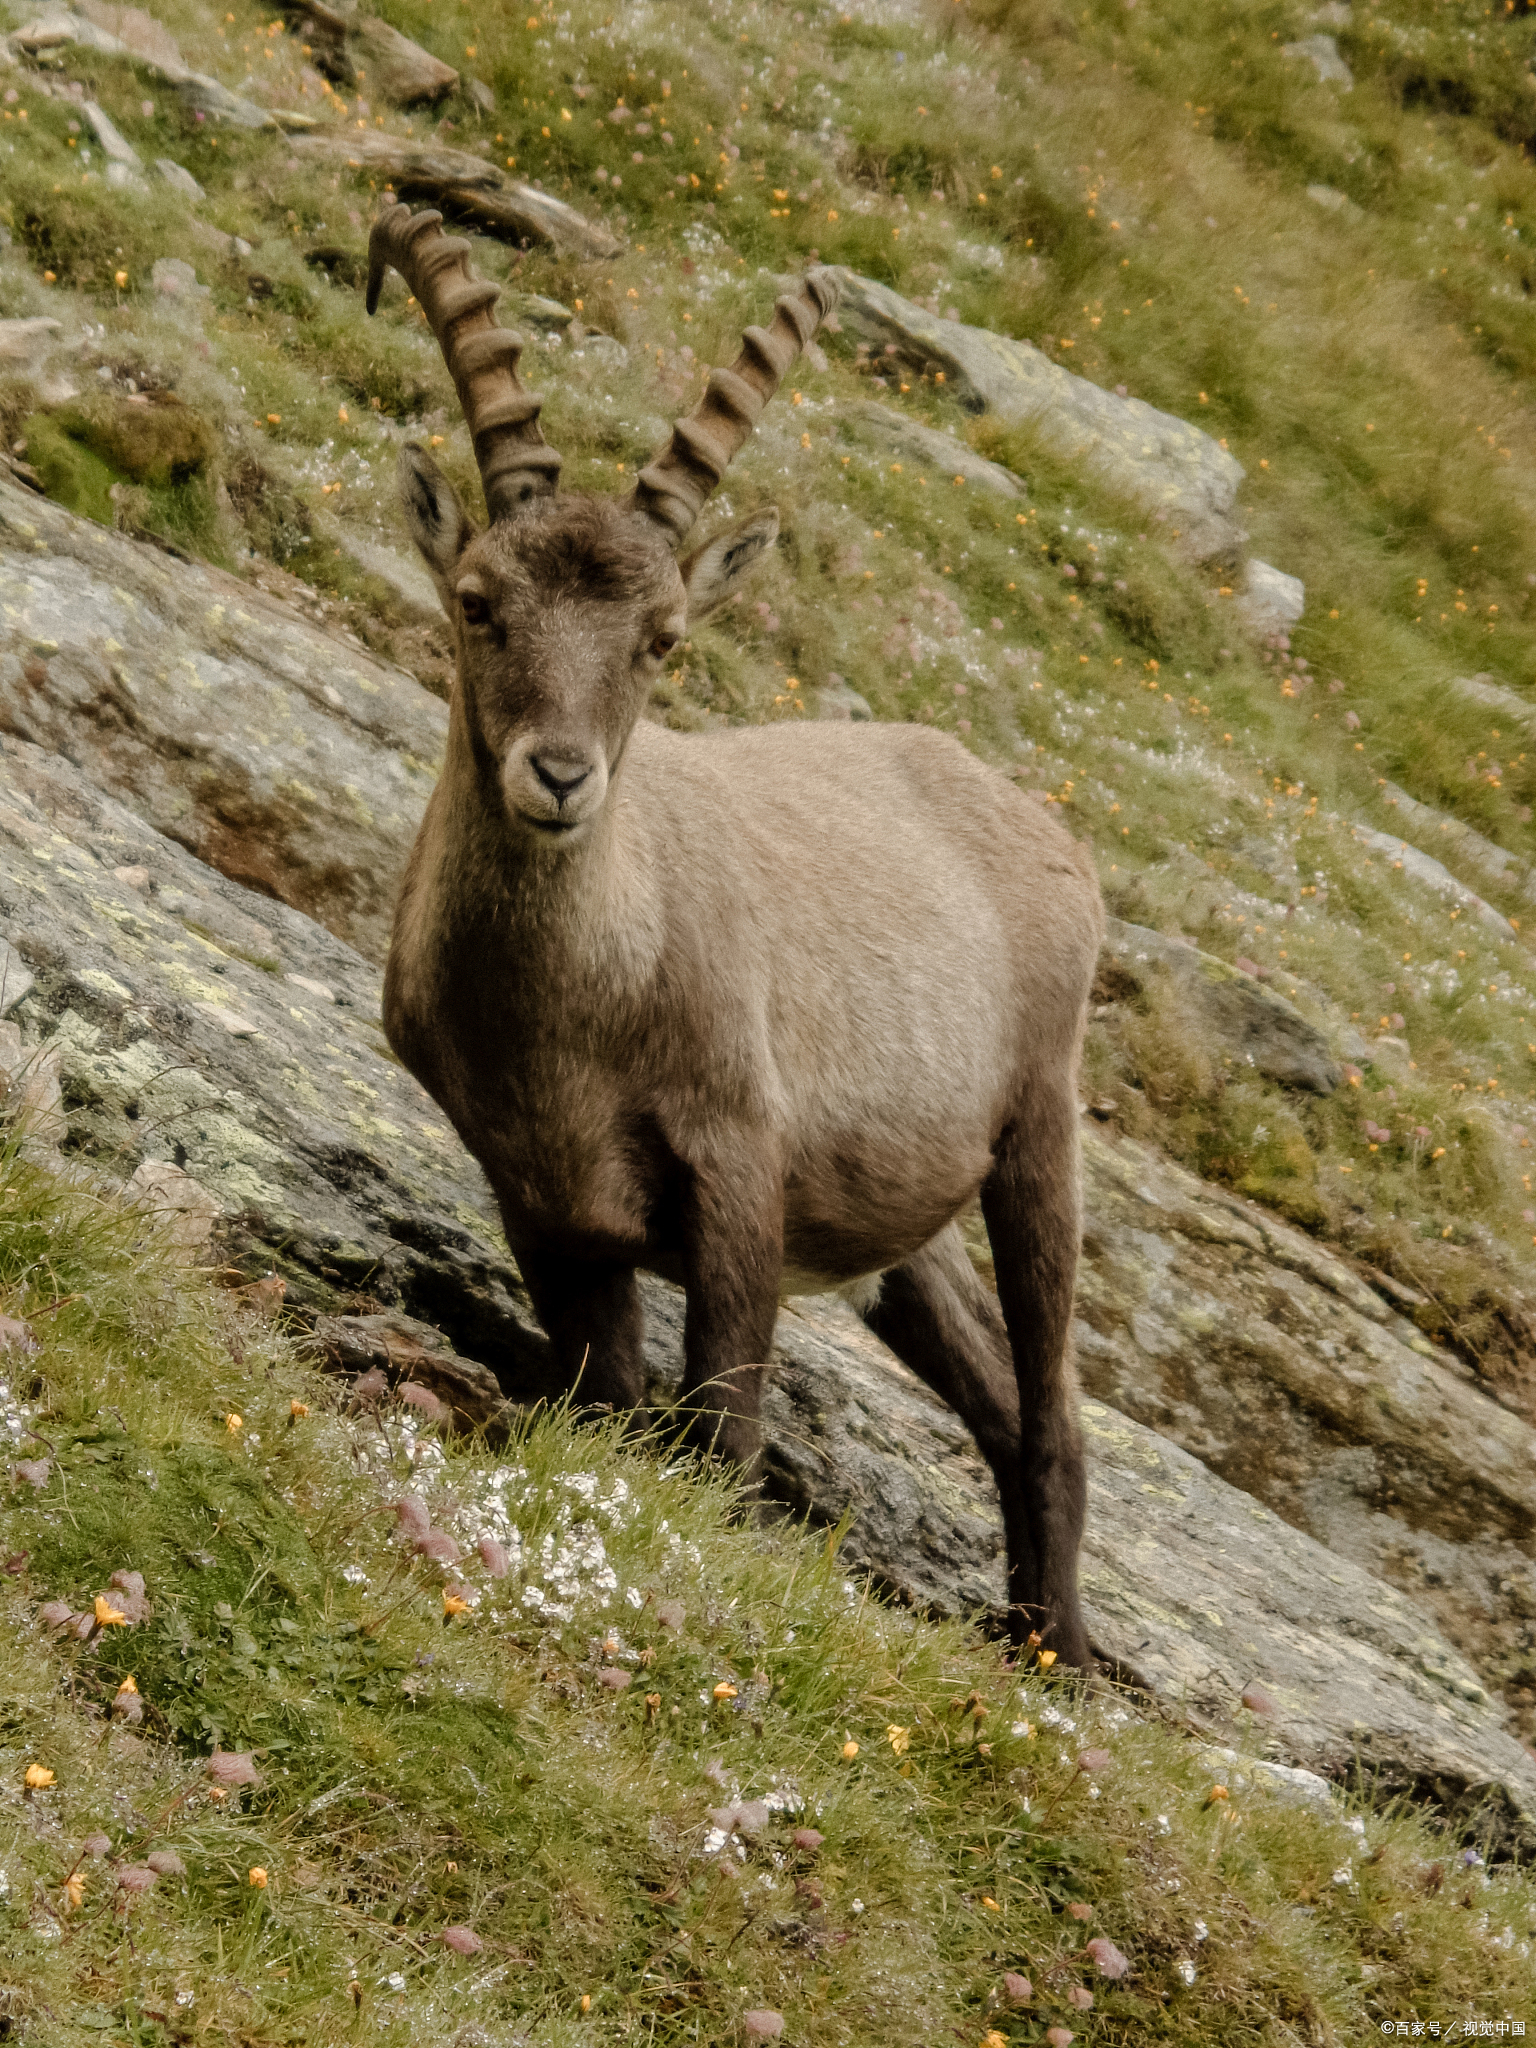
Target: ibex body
[(761, 1011)]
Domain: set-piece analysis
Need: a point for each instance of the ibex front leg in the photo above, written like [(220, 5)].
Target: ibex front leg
[(733, 1256)]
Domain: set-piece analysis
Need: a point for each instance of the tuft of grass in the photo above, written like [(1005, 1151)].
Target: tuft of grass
[(402, 1764)]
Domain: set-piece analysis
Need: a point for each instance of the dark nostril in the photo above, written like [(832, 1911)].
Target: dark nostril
[(555, 782)]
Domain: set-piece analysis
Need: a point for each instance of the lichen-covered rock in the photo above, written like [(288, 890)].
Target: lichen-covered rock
[(943, 454), (1461, 841), (1164, 467), (290, 760), (397, 68), (1258, 1028)]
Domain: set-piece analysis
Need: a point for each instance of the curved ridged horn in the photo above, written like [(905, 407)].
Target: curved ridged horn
[(673, 487), (514, 460)]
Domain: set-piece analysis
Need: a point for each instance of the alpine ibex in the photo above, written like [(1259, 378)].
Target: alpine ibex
[(761, 1011)]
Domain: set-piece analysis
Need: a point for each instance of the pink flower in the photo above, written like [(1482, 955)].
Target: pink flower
[(95, 1845), (494, 1557), (439, 1546), (614, 1679), (809, 1839), (671, 1613), (1111, 1963), (165, 1863), (136, 1877), (762, 2025), (1093, 1760), (1079, 1998), (422, 1398), (56, 1614), (411, 1515), (232, 1767), (1059, 2037), (1018, 1990), (462, 1940), (34, 1471)]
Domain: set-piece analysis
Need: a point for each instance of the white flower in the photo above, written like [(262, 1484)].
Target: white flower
[(1186, 1970), (1344, 1875), (857, 1906)]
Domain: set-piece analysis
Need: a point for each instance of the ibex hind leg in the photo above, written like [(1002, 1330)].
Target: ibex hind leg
[(1033, 1209), (940, 1320)]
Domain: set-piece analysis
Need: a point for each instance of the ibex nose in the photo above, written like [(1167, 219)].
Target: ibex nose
[(559, 777)]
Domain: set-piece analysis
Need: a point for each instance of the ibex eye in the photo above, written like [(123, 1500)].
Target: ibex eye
[(474, 608), (663, 645)]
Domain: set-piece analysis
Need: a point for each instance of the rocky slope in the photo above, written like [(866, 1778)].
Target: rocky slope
[(1289, 1486)]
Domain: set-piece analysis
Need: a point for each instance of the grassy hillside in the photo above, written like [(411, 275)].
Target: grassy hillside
[(402, 1741)]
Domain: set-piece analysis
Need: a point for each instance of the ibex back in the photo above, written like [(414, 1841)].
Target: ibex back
[(762, 1011)]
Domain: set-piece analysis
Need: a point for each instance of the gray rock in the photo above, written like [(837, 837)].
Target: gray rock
[(1462, 841), (206, 96), (16, 983), (1164, 467), (176, 279), (114, 143), (1423, 867), (124, 178), (1507, 705), (1335, 201), (836, 699), (944, 454), (282, 756), (1270, 602), (482, 95), (1259, 1028), (1322, 53), (178, 179), (396, 67), (25, 345), (529, 309), (199, 1025), (471, 190)]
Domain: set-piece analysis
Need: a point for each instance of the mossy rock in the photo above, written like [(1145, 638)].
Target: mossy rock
[(158, 442), (69, 471)]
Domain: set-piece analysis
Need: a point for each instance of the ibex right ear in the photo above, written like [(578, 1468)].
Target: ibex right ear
[(436, 518)]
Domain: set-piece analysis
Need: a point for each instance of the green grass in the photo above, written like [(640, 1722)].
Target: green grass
[(418, 1771)]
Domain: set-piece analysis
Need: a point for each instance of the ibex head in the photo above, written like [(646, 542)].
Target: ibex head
[(567, 605)]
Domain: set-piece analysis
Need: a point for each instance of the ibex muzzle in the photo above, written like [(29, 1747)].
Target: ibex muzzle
[(761, 1010)]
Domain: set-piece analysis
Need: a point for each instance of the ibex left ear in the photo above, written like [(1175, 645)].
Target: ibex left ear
[(713, 571)]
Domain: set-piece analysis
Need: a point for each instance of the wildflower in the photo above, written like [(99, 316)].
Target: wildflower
[(341, 414), (1046, 1659), (126, 1704), (1216, 1795), (1079, 1911), (1080, 1997), (297, 1410), (652, 1705), (1093, 1760), (257, 1879), (900, 1739), (462, 1940), (1110, 1962), (1018, 1990), (1059, 2037), (108, 1616), (453, 1603), (56, 1614), (38, 1777), (439, 1546), (34, 1471), (809, 1839), (850, 1750), (96, 1845), (762, 2025), (725, 1691), (494, 1557), (165, 1863), (671, 1613), (74, 1888), (234, 1423), (993, 2039), (232, 1767), (1257, 1700), (412, 1516), (615, 1679), (120, 279), (136, 1877), (424, 1399), (991, 1904)]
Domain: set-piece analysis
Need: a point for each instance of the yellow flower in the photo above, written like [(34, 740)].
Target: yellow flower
[(341, 414), (991, 1904), (120, 278), (298, 1408), (74, 1888), (258, 1878), (108, 1616), (725, 1692), (850, 1750), (1046, 1659), (454, 1603), (38, 1777), (993, 2039), (900, 1739), (128, 1685), (234, 1423)]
